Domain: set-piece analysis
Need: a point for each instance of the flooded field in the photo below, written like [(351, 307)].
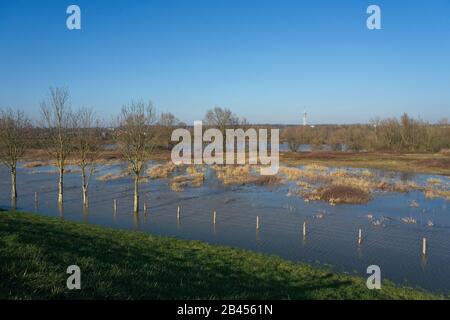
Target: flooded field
[(393, 221)]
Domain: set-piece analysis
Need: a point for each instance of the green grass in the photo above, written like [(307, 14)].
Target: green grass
[(35, 252)]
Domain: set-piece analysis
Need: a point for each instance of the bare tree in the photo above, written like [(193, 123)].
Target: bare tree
[(221, 118), (166, 123), (136, 137), (57, 121), (292, 137), (87, 144), (14, 134), (296, 136)]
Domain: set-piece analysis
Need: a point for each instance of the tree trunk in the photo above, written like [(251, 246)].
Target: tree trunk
[(85, 198), (136, 194), (84, 188), (13, 185), (60, 186)]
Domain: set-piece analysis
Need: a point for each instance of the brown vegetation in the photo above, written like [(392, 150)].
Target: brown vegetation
[(34, 164), (161, 171), (405, 134), (178, 183), (338, 194)]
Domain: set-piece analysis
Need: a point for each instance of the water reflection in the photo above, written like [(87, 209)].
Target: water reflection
[(85, 214), (61, 210), (136, 221), (423, 262)]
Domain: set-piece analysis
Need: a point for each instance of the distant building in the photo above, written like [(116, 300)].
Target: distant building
[(304, 117)]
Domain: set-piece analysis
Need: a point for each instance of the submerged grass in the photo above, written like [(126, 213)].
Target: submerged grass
[(35, 252)]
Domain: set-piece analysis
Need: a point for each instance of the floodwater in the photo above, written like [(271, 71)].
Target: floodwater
[(331, 239)]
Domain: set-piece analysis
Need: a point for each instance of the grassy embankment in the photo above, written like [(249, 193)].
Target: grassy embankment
[(35, 252)]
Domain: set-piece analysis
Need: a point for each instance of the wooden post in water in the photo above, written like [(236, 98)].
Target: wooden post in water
[(304, 229), (178, 213), (115, 206), (424, 246), (257, 222), (214, 217), (145, 207), (359, 236), (36, 198)]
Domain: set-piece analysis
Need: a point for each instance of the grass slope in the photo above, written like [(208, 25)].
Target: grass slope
[(35, 252)]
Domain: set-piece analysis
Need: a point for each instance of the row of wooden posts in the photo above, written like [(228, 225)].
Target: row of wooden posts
[(424, 240)]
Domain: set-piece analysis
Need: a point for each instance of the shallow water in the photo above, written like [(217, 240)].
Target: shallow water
[(331, 240)]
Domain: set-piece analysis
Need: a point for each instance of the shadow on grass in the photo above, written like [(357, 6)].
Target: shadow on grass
[(36, 251)]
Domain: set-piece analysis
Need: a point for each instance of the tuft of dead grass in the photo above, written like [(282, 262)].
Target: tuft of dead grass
[(162, 171), (34, 164), (110, 176), (338, 194), (178, 183), (233, 174)]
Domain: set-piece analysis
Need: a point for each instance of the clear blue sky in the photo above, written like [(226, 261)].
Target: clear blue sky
[(265, 60)]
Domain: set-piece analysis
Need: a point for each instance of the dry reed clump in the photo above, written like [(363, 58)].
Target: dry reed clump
[(315, 167), (110, 176), (304, 185), (290, 173), (340, 173), (433, 193), (235, 174), (338, 194), (367, 173), (267, 180), (144, 180), (191, 170), (404, 187), (161, 171), (294, 174), (34, 164), (72, 171), (178, 183), (243, 175), (434, 182), (53, 171), (356, 183), (384, 185)]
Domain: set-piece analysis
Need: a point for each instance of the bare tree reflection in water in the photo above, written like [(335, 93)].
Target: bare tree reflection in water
[(423, 262), (85, 214), (61, 210), (136, 221)]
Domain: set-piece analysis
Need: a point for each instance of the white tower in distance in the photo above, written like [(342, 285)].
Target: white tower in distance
[(304, 117)]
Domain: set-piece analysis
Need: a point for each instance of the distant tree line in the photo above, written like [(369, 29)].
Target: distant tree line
[(395, 135)]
